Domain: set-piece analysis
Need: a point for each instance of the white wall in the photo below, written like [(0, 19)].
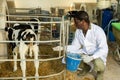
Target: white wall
[(46, 4), (3, 46), (2, 12)]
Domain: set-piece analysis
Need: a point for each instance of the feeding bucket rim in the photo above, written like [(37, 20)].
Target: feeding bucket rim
[(74, 58), (68, 55)]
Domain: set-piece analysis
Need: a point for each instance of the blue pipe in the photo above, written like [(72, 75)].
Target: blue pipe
[(108, 27)]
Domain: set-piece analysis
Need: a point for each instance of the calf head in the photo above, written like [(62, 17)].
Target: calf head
[(27, 35)]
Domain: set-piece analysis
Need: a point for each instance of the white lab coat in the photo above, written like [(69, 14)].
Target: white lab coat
[(94, 43)]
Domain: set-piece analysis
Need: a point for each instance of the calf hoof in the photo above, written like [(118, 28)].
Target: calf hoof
[(15, 69), (24, 79), (30, 54), (37, 75)]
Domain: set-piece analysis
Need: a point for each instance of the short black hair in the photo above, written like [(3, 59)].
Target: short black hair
[(80, 15)]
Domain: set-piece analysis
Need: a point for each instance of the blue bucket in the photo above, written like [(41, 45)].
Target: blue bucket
[(72, 61)]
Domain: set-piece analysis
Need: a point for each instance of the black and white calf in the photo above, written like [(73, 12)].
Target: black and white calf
[(23, 32)]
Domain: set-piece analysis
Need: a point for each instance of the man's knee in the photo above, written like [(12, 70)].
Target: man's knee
[(99, 65)]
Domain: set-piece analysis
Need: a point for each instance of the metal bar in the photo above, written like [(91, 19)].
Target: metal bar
[(31, 41), (31, 16), (32, 22), (32, 77), (32, 59)]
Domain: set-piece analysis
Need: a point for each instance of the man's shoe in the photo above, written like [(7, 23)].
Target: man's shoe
[(82, 72)]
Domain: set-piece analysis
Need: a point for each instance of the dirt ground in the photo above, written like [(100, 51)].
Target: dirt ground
[(112, 68)]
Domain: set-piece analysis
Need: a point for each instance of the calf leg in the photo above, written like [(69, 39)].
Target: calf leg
[(22, 50), (36, 62), (15, 53), (30, 52)]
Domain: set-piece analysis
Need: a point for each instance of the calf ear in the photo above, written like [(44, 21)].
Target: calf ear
[(6, 28)]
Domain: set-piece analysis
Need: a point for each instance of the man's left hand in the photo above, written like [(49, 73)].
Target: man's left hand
[(87, 58)]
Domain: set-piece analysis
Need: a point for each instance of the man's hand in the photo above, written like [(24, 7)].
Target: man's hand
[(87, 58), (58, 48)]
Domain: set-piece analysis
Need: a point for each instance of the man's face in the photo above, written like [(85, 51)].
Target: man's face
[(78, 23)]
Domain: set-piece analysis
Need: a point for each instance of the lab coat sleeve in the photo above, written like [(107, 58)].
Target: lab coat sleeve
[(75, 47), (102, 47)]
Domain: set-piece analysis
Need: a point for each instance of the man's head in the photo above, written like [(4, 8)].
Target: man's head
[(82, 15), (81, 18)]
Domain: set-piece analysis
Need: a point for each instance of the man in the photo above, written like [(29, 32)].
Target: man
[(90, 40)]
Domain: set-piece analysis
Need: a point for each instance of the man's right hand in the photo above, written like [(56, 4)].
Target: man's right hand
[(58, 48)]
